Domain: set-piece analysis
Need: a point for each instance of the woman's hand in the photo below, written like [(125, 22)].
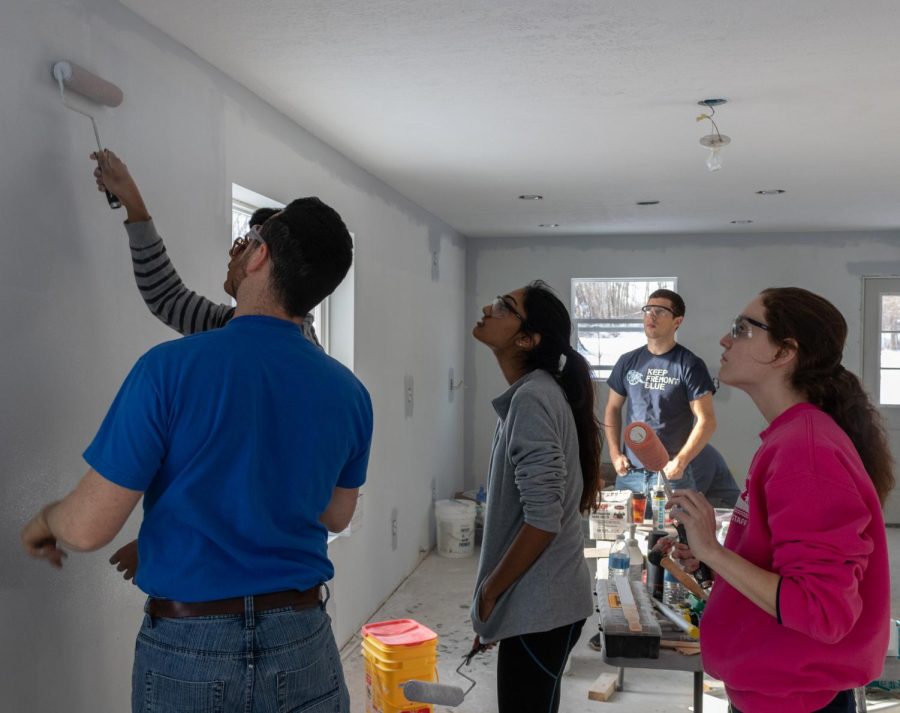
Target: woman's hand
[(693, 511), (681, 552), (485, 606)]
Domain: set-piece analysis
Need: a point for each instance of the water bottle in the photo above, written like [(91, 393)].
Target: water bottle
[(673, 591), (619, 558), (636, 563)]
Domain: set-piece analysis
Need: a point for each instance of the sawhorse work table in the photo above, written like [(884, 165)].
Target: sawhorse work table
[(668, 661)]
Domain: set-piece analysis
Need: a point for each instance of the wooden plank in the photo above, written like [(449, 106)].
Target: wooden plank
[(603, 687), (629, 606)]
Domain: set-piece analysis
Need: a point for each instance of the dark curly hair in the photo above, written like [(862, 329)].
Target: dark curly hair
[(820, 331), (311, 253)]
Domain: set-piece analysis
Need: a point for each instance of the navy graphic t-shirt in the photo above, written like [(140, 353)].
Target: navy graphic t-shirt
[(659, 389)]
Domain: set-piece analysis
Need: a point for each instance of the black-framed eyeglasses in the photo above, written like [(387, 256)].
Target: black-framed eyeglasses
[(657, 310), (742, 327), (239, 245), (500, 308)]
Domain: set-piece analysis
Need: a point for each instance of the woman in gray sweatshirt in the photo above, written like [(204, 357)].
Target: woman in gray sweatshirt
[(533, 590)]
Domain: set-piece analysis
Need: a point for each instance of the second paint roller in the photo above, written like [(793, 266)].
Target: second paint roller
[(79, 80)]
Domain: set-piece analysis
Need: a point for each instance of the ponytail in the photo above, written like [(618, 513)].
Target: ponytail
[(548, 317), (820, 331)]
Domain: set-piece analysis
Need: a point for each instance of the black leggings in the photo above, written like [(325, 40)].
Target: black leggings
[(843, 702), (529, 668)]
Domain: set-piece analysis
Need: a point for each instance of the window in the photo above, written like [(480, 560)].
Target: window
[(890, 350), (607, 317), (881, 339), (243, 203)]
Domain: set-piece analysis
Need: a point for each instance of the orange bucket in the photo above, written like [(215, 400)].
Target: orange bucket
[(395, 652)]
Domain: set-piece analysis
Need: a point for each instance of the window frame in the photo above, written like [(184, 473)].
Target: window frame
[(635, 324)]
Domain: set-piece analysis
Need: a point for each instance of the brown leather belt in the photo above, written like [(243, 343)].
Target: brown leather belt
[(292, 598)]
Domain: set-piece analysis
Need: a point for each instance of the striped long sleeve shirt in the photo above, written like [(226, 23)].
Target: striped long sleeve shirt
[(166, 295)]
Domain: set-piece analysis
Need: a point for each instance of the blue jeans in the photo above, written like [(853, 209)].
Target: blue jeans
[(277, 661)]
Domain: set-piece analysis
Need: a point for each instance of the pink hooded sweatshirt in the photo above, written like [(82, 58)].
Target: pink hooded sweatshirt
[(810, 513)]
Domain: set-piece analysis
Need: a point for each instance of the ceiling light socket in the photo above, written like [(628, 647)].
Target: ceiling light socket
[(771, 192), (712, 102), (531, 197), (715, 141)]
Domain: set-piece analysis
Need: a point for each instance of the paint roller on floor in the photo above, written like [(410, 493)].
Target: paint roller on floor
[(79, 80), (443, 694)]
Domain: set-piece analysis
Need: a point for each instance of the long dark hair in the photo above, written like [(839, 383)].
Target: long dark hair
[(548, 316), (820, 332)]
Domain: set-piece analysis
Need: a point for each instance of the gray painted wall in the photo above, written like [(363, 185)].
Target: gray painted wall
[(74, 323), (717, 276)]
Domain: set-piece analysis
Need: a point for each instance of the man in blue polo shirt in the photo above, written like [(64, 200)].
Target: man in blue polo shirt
[(666, 386), (248, 443)]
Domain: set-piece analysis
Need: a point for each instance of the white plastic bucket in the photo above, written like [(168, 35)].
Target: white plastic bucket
[(455, 521)]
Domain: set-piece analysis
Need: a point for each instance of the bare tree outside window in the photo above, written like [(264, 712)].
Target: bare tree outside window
[(608, 319)]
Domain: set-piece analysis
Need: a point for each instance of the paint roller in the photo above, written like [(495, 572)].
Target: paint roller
[(442, 694), (79, 80), (649, 450)]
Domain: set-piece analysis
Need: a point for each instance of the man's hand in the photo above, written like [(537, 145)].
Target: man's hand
[(39, 542), (621, 464), (112, 175), (126, 560), (674, 469)]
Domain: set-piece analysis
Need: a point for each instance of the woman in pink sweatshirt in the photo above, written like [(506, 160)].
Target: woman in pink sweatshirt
[(799, 612)]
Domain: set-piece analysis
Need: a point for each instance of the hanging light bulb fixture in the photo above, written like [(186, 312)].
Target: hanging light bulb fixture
[(715, 141)]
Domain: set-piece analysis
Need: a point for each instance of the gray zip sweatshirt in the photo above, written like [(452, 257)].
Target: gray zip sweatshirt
[(535, 478)]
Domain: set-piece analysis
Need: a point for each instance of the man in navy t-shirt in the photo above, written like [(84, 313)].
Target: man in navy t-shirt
[(666, 386), (247, 443)]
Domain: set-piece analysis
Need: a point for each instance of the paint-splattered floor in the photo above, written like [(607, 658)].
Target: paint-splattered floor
[(438, 593)]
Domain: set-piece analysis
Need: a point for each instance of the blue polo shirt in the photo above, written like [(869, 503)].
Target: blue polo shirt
[(237, 437)]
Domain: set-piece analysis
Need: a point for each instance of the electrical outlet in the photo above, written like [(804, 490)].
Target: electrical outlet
[(408, 395), (394, 529)]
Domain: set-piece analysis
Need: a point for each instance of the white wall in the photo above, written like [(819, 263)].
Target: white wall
[(717, 276), (73, 322)]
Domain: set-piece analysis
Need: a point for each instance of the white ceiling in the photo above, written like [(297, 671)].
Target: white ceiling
[(464, 105)]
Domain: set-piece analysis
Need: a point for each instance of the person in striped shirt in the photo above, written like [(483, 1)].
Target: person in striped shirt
[(160, 285)]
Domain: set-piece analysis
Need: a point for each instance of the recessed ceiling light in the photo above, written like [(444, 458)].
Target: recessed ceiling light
[(741, 222), (771, 192), (548, 225), (647, 203), (531, 197)]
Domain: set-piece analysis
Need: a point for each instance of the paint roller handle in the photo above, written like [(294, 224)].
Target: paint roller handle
[(113, 201)]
